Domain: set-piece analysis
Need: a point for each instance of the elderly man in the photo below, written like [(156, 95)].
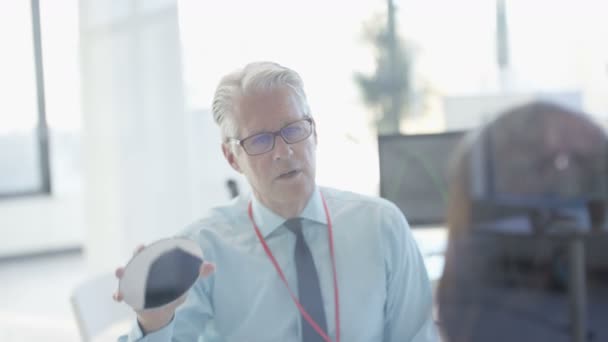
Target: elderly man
[(295, 261)]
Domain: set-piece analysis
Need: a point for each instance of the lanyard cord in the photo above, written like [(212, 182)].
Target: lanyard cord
[(293, 297)]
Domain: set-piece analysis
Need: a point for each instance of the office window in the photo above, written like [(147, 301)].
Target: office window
[(24, 159), (468, 59), (322, 40), (476, 57)]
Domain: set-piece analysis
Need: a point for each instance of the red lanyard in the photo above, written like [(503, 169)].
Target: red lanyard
[(280, 272)]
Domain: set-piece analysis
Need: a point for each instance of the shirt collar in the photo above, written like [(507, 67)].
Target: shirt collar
[(268, 221)]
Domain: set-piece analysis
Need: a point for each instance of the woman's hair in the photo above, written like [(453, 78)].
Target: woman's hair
[(254, 77), (475, 262)]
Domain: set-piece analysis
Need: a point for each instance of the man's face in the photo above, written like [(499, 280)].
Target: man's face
[(287, 172)]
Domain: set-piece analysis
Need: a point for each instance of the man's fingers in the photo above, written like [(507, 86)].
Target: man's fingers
[(138, 249), (117, 296), (120, 271), (206, 269)]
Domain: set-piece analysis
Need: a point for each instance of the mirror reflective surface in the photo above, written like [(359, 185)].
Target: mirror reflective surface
[(161, 273)]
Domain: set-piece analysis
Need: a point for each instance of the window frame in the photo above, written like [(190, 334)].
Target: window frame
[(42, 130)]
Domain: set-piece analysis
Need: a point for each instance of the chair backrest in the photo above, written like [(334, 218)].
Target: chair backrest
[(94, 308)]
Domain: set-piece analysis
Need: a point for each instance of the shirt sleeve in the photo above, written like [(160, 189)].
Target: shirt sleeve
[(191, 320), (409, 305)]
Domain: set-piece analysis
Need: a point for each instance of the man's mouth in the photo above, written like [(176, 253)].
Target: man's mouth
[(289, 174)]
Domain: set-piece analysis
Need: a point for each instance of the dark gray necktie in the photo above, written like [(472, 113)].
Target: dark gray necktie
[(309, 291)]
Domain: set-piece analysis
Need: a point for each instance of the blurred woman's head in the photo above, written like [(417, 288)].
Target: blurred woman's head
[(499, 262)]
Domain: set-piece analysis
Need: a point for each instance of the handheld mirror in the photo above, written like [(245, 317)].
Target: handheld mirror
[(161, 273)]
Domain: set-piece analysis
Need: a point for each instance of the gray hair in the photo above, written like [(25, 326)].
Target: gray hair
[(258, 76)]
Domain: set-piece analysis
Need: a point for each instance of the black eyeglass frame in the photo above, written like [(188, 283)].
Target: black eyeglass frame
[(241, 142)]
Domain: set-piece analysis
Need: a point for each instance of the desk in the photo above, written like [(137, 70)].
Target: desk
[(432, 242)]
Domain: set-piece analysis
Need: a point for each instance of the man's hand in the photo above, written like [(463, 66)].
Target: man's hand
[(154, 319)]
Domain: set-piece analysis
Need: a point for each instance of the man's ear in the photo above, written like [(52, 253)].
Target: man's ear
[(230, 157)]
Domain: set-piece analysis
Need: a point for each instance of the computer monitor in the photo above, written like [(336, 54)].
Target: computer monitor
[(413, 174)]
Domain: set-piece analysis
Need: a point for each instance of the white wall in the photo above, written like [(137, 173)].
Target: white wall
[(466, 112), (151, 167), (40, 224), (209, 169)]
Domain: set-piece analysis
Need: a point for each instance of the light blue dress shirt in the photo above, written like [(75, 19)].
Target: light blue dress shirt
[(384, 289)]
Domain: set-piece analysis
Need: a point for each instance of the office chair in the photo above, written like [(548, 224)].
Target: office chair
[(94, 309)]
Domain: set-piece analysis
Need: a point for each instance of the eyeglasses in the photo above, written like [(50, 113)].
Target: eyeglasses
[(264, 142)]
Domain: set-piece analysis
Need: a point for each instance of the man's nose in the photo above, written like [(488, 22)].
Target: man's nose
[(282, 150)]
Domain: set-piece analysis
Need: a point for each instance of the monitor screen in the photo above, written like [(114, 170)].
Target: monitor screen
[(413, 174)]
